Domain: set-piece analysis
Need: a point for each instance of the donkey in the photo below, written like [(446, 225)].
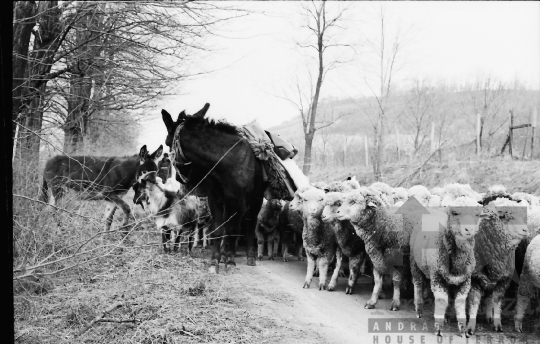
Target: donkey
[(219, 164), (99, 178)]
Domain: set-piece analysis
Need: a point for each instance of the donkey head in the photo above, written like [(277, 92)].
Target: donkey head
[(171, 125), (147, 163)]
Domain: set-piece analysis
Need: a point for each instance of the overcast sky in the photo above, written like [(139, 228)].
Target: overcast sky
[(256, 60)]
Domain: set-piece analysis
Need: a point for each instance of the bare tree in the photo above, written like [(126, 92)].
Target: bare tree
[(388, 49), (487, 97), (93, 61), (323, 25), (420, 103)]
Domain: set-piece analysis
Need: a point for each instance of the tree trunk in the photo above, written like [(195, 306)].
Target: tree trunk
[(45, 45), (78, 112), (307, 154), (25, 13), (79, 98)]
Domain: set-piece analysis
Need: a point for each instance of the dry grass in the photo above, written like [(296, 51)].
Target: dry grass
[(68, 272)]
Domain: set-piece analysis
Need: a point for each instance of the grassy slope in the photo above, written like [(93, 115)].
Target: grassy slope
[(515, 175)]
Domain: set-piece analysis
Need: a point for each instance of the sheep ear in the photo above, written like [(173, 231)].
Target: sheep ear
[(326, 190), (353, 178), (301, 195), (371, 205)]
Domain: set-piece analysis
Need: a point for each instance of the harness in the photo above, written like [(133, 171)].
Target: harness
[(178, 152)]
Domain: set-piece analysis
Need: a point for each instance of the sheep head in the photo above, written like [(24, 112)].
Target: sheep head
[(464, 221), (296, 203), (352, 206), (312, 202), (332, 202)]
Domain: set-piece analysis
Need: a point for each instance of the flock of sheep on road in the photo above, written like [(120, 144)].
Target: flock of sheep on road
[(463, 243)]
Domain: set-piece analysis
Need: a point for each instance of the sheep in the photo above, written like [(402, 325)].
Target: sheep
[(532, 201), (352, 184), (437, 191), (434, 201), (170, 207), (500, 234), (529, 282), (291, 224), (267, 227), (386, 238), (399, 194), (338, 187), (445, 256), (421, 193), (456, 190), (385, 190), (350, 244), (319, 239)]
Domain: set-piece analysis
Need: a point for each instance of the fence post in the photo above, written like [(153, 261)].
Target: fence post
[(534, 119), (366, 148), (510, 132), (478, 128)]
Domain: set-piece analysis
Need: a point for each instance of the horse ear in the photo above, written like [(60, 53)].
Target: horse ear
[(157, 153), (182, 116), (202, 111), (143, 153), (167, 119)]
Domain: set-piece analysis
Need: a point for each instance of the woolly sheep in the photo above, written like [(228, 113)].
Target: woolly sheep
[(500, 234), (399, 194), (386, 239), (353, 184), (531, 200), (319, 185), (421, 193), (319, 239), (434, 201), (437, 191), (350, 244), (529, 282), (383, 188), (267, 227), (446, 257), (291, 225)]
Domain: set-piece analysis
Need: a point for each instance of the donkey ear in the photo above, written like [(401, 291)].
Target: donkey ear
[(157, 153), (182, 116), (167, 119), (143, 153), (202, 111)]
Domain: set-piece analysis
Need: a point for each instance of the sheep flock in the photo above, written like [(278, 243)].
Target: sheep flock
[(452, 240)]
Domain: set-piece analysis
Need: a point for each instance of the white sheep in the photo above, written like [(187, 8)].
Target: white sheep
[(532, 201), (399, 194), (421, 193), (529, 282)]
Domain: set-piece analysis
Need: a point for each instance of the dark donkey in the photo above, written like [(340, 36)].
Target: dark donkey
[(99, 178), (215, 155)]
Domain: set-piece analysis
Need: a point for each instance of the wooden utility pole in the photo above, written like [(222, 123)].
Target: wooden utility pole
[(478, 129), (534, 122), (366, 148), (510, 132)]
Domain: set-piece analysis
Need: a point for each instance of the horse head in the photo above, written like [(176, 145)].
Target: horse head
[(171, 125)]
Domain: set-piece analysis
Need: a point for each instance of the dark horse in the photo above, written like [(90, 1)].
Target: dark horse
[(219, 163), (98, 178)]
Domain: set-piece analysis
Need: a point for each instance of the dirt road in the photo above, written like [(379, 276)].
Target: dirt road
[(334, 317)]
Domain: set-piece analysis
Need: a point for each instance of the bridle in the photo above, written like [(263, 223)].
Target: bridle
[(178, 152)]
